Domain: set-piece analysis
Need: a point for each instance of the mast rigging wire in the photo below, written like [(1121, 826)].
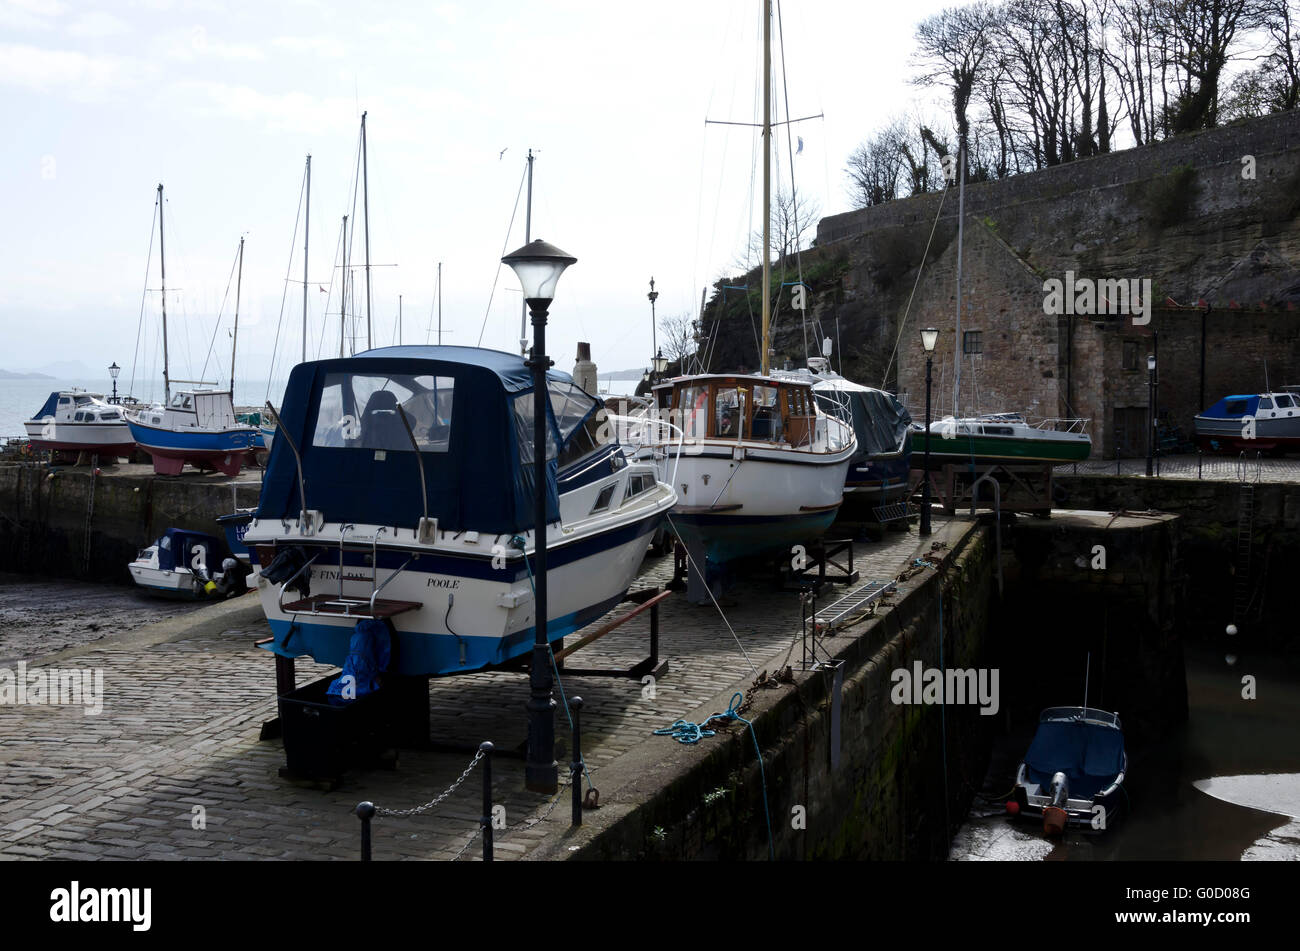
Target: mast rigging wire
[(144, 295), (509, 229), (275, 347)]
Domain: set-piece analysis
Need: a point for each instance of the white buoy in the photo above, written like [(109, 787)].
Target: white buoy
[(1232, 629), (1231, 659)]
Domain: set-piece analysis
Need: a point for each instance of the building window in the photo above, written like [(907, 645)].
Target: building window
[(1130, 355), (972, 341)]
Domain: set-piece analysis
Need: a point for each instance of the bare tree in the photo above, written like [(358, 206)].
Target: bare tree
[(793, 222), (1201, 37), (952, 47), (678, 334)]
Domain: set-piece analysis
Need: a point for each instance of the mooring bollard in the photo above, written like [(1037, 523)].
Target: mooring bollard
[(575, 767), (486, 749), (365, 812), (1198, 462)]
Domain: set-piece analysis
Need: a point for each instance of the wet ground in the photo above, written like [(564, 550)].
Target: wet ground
[(39, 616), (1226, 786)]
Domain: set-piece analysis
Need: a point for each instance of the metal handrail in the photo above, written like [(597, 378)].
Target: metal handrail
[(419, 461), (297, 458), (279, 601)]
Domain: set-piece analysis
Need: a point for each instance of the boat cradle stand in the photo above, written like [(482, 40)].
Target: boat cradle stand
[(1024, 487), (647, 599), (809, 567)]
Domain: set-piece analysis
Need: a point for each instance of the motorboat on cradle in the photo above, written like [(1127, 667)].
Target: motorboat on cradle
[(1001, 438), (878, 472), (1073, 774), (759, 465), (182, 563), (198, 427), (77, 421), (416, 467), (1255, 422)]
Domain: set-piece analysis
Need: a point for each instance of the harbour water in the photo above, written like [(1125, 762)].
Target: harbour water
[(1172, 815)]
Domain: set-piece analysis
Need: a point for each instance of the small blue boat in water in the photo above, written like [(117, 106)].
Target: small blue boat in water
[(1073, 774)]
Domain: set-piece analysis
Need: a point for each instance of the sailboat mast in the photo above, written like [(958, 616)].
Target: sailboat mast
[(234, 338), (440, 303), (365, 207), (162, 262), (767, 178), (306, 233), (961, 218), (528, 236), (343, 296)]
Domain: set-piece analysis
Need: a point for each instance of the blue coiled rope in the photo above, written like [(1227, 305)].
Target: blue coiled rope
[(684, 731)]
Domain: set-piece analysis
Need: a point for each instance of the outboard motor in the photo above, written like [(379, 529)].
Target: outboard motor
[(1054, 815)]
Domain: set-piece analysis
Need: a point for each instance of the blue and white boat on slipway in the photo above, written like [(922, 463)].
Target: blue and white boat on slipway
[(1251, 422), (198, 427), (400, 487)]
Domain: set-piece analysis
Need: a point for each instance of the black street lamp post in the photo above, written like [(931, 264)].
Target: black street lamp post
[(1151, 412), (654, 327), (538, 266), (929, 336), (113, 371)]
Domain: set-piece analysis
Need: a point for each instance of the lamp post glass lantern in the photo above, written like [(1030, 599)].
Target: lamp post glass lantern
[(661, 364), (538, 266), (929, 337)]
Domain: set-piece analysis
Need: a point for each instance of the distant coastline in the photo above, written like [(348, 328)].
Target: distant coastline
[(10, 375)]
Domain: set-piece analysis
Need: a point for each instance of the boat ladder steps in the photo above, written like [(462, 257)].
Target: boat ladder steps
[(855, 602)]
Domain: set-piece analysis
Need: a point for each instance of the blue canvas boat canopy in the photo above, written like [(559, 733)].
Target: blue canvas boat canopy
[(177, 547), (469, 410), (1233, 407), (50, 406), (1089, 754)]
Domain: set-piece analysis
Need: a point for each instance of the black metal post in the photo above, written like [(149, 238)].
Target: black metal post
[(1151, 417), (541, 772), (486, 748), (575, 767), (1155, 393), (925, 488), (365, 812)]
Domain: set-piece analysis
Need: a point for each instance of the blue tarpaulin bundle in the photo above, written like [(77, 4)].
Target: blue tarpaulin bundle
[(367, 659)]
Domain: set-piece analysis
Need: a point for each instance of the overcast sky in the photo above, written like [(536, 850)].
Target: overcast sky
[(221, 102)]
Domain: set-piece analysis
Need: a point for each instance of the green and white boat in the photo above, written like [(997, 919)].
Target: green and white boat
[(1001, 438)]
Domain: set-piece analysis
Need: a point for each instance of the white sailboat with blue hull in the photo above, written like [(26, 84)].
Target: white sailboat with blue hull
[(400, 487)]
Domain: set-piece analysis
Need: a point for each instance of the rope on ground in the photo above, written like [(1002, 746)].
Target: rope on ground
[(684, 731)]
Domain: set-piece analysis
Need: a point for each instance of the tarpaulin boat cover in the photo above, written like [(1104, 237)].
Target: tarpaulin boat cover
[(181, 546), (476, 446), (1090, 755), (879, 420), (1233, 407), (368, 655)]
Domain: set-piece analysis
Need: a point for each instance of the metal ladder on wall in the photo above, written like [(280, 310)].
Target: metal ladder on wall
[(1245, 536), (90, 515)]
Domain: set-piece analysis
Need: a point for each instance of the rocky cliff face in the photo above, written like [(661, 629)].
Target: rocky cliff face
[(1209, 218)]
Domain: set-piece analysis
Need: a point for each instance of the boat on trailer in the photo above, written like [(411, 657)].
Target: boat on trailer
[(1001, 438), (400, 488), (1073, 774), (1254, 422), (759, 465), (77, 421)]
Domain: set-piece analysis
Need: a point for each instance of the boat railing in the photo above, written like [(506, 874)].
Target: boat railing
[(650, 430), (1059, 424), (297, 458)]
